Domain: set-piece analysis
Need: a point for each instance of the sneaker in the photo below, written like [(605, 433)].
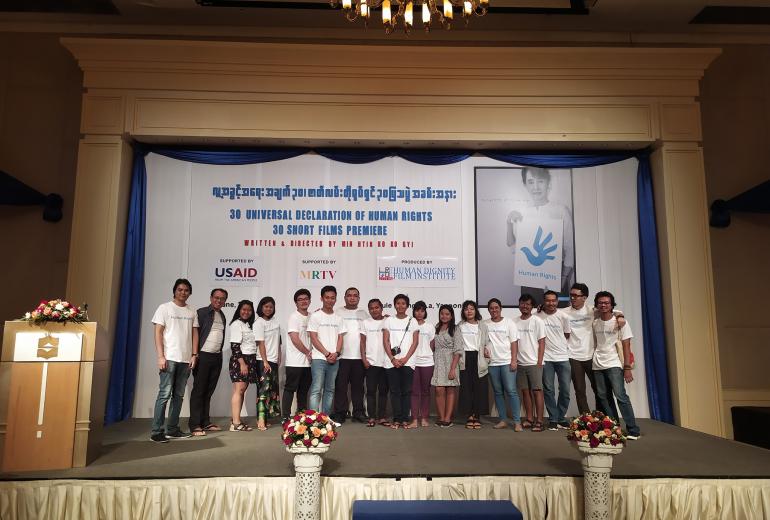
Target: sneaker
[(633, 437), (336, 424), (360, 418), (158, 437), (500, 425), (447, 424), (563, 425), (518, 427), (553, 426), (179, 434)]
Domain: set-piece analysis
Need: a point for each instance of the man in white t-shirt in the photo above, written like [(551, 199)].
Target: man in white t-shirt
[(537, 182), (611, 374), (326, 329), (351, 371), (176, 344), (581, 345), (298, 355), (211, 337), (555, 360), (529, 376)]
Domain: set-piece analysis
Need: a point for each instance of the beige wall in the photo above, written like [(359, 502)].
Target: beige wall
[(736, 142), (40, 97)]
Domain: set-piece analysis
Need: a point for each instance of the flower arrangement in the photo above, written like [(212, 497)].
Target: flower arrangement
[(595, 428), (308, 429), (58, 311)]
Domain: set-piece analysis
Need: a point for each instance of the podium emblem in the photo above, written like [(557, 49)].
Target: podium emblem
[(48, 346)]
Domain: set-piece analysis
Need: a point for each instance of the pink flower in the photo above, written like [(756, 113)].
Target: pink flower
[(47, 311), (326, 439), (307, 442), (593, 426), (287, 441)]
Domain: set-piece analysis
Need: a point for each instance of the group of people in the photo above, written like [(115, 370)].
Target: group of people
[(338, 357)]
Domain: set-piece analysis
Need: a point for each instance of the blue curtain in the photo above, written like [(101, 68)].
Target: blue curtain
[(125, 353), (126, 350)]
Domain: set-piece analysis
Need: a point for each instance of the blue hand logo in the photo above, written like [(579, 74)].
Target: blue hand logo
[(541, 248)]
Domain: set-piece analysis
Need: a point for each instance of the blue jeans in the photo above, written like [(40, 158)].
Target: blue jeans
[(173, 381), (556, 409), (324, 376), (609, 382), (504, 384)]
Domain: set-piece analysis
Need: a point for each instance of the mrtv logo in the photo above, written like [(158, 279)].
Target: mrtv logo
[(316, 271), (237, 272)]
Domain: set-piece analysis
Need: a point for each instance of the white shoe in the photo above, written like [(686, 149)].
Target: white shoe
[(336, 424), (633, 437)]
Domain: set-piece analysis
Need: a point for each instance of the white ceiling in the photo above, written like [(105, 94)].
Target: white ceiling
[(608, 22)]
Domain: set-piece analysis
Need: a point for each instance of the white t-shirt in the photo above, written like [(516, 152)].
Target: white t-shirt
[(501, 335), (424, 355), (240, 332), (530, 332), (351, 343), (328, 327), (268, 331), (470, 335), (372, 329), (581, 339), (606, 334), (556, 325), (297, 323), (213, 342), (400, 328), (178, 323)]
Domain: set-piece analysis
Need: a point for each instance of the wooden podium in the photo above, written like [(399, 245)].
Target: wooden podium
[(53, 387)]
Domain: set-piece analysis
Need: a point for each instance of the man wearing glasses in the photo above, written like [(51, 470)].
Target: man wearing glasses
[(581, 345), (206, 372)]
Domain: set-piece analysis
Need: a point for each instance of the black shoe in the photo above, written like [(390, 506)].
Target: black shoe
[(360, 418), (564, 425), (179, 434), (158, 437), (553, 426)]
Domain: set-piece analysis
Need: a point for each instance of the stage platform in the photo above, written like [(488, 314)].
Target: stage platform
[(663, 451), (671, 473)]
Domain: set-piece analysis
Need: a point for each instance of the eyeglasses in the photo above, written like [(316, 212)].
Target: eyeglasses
[(575, 295)]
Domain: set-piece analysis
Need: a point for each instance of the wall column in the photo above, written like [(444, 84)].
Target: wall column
[(688, 288)]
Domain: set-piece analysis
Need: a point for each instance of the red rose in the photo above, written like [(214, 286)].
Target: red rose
[(593, 426), (306, 442), (287, 441), (308, 420), (607, 422), (326, 439), (594, 442)]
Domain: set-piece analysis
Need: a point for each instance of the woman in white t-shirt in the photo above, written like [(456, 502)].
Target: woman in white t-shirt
[(423, 366), (474, 387), (267, 333), (243, 360)]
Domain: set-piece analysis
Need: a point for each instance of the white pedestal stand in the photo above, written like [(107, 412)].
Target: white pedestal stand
[(597, 465), (307, 493)]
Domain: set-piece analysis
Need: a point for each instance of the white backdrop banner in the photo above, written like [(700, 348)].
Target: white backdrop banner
[(385, 228)]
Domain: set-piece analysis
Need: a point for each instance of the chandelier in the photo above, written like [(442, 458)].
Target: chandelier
[(402, 11)]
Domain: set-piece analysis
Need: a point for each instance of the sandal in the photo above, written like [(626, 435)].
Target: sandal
[(212, 428), (395, 426), (385, 423), (370, 423), (476, 425), (409, 426), (263, 427), (240, 427), (526, 424), (537, 427), (198, 432)]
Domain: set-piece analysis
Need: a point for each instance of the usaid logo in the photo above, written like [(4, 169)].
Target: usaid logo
[(244, 272)]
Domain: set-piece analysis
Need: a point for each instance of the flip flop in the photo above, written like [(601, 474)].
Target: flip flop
[(526, 424), (395, 426), (385, 424), (212, 428), (198, 432), (537, 427), (370, 423)]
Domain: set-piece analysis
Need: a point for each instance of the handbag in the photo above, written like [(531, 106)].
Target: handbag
[(619, 347)]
